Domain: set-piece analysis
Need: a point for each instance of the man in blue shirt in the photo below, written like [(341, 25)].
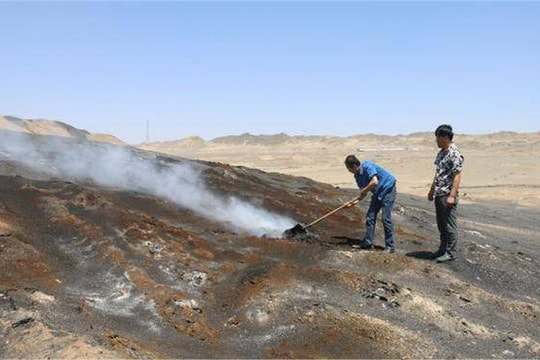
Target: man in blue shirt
[(372, 177)]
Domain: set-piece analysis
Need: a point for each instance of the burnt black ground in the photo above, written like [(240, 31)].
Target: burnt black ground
[(88, 271)]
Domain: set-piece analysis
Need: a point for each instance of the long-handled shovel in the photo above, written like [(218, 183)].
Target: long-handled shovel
[(300, 229)]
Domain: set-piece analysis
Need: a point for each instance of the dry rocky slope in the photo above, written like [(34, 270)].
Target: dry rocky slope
[(97, 271)]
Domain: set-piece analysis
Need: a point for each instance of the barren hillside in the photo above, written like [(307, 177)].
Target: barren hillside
[(55, 128), (109, 251)]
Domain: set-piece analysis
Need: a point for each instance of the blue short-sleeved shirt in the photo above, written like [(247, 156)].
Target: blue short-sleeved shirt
[(367, 171)]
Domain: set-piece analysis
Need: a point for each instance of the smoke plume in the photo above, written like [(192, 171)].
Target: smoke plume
[(126, 168)]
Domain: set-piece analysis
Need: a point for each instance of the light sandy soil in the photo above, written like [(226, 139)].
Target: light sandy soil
[(499, 167)]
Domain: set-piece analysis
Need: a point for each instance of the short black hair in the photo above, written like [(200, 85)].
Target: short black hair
[(445, 130), (351, 160)]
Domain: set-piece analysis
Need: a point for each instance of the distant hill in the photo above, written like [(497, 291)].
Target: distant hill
[(502, 139), (50, 127), (249, 139), (175, 147)]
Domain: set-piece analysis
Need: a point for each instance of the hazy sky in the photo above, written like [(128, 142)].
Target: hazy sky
[(220, 68)]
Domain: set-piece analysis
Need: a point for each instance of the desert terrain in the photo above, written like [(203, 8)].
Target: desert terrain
[(501, 167), (113, 251)]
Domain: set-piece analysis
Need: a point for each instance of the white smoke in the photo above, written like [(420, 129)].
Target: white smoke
[(119, 167)]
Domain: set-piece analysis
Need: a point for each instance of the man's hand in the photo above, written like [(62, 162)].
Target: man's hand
[(353, 202), (451, 201), (362, 195), (430, 195)]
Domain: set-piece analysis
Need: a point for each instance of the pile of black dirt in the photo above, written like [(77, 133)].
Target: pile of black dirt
[(300, 233), (296, 231)]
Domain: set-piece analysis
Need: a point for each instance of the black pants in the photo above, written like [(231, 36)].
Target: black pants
[(447, 224)]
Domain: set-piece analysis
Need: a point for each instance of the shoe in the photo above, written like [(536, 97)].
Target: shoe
[(390, 250), (436, 254), (445, 258), (363, 246)]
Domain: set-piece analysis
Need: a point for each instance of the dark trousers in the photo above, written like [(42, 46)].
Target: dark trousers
[(386, 204), (447, 224)]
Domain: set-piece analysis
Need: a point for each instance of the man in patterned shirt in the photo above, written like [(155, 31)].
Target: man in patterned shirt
[(445, 191)]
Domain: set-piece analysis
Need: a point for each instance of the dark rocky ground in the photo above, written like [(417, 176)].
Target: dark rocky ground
[(89, 271)]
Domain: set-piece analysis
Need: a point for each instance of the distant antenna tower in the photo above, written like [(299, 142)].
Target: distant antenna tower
[(147, 131)]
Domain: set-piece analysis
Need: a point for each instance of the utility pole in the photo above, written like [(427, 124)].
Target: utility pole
[(147, 131)]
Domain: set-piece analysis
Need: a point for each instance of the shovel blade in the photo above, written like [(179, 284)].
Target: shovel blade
[(297, 230)]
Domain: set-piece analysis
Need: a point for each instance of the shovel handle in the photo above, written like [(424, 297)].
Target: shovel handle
[(347, 204)]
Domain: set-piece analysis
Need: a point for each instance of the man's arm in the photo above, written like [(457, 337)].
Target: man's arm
[(451, 201), (370, 186), (432, 188), (364, 191)]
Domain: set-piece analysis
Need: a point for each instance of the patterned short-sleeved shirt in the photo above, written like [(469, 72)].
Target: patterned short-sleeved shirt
[(449, 162)]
